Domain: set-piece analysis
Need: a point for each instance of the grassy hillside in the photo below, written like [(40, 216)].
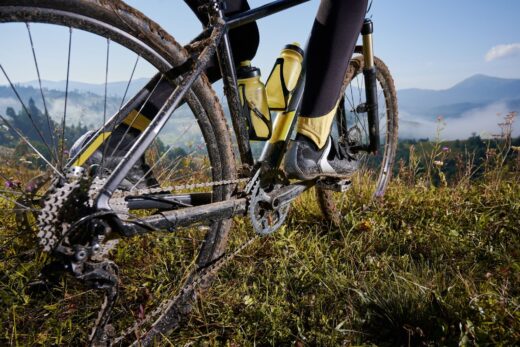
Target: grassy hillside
[(428, 265), (432, 264)]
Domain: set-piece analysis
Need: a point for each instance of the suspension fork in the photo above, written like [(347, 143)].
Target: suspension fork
[(369, 71)]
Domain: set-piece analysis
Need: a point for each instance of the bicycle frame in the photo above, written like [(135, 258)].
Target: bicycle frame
[(217, 36)]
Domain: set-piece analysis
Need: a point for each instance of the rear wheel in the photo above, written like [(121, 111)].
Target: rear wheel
[(351, 128), (100, 41)]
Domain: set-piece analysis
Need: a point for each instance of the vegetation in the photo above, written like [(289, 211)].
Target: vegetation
[(436, 263), (39, 129)]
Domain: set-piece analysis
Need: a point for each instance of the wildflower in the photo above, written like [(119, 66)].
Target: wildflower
[(438, 163), (445, 149), (12, 184), (31, 187)]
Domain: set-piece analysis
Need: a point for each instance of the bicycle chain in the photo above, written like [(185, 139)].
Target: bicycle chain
[(49, 222), (197, 280), (118, 200), (49, 235)]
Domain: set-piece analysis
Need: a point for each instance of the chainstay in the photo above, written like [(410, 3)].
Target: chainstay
[(49, 217), (119, 196), (118, 202), (170, 307)]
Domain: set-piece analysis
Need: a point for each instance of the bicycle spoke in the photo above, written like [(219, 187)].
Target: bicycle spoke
[(179, 178), (36, 128), (129, 82), (51, 130), (163, 156), (64, 122), (351, 101), (22, 206), (114, 151), (105, 106), (359, 84), (31, 146), (169, 169)]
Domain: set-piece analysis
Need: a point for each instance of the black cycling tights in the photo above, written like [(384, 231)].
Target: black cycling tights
[(244, 40), (331, 44), (332, 40)]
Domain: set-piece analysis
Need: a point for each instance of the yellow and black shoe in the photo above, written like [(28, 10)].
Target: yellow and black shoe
[(305, 161)]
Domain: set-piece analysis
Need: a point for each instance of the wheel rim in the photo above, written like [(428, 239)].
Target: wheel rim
[(371, 180), (377, 167)]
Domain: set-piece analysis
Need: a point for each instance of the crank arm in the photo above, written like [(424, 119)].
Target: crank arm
[(288, 194)]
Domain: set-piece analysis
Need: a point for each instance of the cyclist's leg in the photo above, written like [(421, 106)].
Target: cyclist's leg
[(244, 40), (331, 44)]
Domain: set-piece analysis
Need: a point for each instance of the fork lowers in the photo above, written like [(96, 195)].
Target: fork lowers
[(370, 72)]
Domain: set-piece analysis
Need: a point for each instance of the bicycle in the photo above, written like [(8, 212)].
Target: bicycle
[(77, 213)]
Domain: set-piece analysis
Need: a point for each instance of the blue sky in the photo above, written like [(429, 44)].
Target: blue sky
[(426, 44)]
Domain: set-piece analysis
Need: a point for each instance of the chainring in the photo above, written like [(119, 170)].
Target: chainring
[(264, 217)]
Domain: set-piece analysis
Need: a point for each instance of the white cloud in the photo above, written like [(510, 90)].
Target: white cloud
[(482, 121), (502, 51)]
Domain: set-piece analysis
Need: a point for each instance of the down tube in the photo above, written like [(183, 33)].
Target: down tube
[(274, 149)]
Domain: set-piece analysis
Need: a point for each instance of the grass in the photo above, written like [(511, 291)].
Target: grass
[(427, 266), (435, 266)]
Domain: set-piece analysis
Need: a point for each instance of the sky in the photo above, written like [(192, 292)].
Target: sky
[(426, 44)]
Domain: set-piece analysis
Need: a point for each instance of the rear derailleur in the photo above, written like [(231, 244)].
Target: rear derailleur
[(77, 238)]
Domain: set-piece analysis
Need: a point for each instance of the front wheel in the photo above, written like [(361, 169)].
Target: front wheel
[(351, 127)]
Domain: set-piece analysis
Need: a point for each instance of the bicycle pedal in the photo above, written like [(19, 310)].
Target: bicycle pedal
[(336, 185)]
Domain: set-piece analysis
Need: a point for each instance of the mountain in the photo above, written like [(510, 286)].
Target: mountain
[(475, 92), (87, 108), (114, 89), (82, 107), (468, 107)]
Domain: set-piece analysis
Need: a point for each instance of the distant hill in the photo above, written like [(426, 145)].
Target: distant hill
[(469, 106), (87, 108), (114, 89), (477, 91), (82, 106)]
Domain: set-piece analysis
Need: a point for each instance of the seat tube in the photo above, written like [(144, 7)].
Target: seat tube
[(229, 76)]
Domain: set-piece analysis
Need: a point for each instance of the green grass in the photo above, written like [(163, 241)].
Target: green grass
[(427, 266)]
